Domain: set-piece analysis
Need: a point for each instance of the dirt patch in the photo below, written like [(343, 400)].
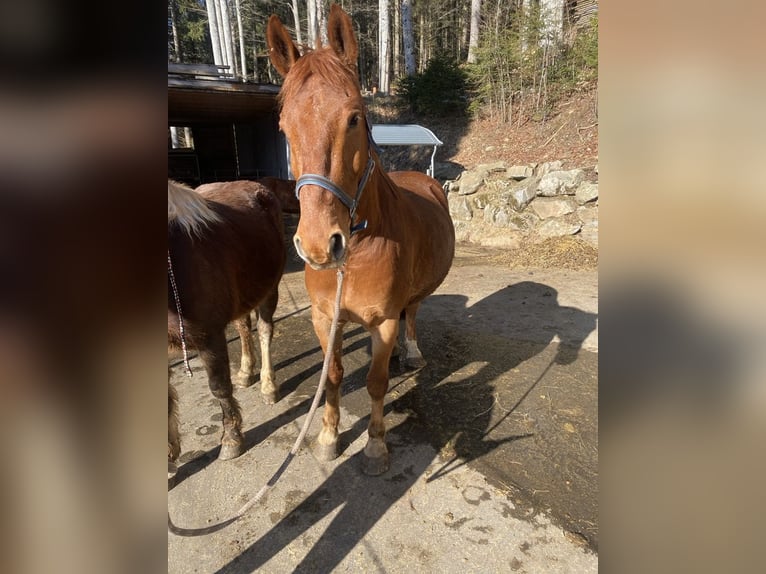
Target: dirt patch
[(554, 253)]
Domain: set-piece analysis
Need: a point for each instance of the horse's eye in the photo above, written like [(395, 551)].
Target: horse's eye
[(353, 120)]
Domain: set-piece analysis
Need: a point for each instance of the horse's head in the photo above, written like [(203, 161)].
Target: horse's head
[(323, 118)]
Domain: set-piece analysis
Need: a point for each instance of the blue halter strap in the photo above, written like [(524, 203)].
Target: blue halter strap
[(350, 203)]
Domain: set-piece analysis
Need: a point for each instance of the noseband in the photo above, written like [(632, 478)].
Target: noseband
[(325, 183)]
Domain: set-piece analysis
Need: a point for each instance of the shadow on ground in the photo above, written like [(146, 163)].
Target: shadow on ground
[(523, 413)]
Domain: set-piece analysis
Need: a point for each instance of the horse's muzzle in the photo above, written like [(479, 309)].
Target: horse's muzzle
[(332, 257)]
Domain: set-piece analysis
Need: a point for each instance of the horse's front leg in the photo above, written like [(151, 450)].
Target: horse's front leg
[(215, 357), (326, 446), (269, 387), (376, 460), (246, 375)]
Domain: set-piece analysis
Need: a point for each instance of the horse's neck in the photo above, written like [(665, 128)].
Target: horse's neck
[(379, 195)]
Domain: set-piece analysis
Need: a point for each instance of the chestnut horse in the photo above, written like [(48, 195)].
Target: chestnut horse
[(391, 233), (226, 255)]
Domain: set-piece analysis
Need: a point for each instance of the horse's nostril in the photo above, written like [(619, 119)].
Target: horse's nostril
[(297, 243), (337, 246)]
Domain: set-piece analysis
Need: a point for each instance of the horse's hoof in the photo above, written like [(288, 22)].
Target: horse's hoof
[(326, 452), (413, 363), (244, 380), (231, 450), (374, 466), (270, 398)]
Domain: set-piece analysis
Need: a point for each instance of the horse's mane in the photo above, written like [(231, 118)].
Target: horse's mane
[(188, 209), (325, 63)]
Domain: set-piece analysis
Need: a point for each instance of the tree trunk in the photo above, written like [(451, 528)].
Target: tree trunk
[(384, 53), (174, 27), (423, 54), (311, 10), (226, 25), (396, 41), (553, 19), (256, 75), (242, 59), (473, 39), (212, 19), (297, 23), (322, 21), (408, 40)]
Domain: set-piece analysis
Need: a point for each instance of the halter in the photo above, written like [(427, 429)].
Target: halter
[(350, 203)]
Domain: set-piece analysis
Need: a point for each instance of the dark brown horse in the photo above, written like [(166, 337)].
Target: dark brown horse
[(391, 233), (226, 245)]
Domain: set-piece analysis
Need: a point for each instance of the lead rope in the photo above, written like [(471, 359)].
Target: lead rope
[(180, 315), (178, 531)]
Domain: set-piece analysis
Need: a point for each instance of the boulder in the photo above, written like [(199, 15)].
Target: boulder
[(546, 208), (521, 195), (471, 181), (560, 182), (586, 192), (519, 172), (558, 227), (548, 167), (459, 208)]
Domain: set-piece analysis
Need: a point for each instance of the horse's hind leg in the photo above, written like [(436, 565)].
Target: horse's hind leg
[(215, 357), (376, 460), (246, 375), (412, 357), (269, 388)]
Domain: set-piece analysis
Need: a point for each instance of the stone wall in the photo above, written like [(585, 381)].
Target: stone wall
[(500, 205)]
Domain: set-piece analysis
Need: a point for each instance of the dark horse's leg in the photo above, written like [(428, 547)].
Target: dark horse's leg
[(174, 439), (412, 358), (326, 446), (269, 388), (215, 357), (246, 375), (376, 459)]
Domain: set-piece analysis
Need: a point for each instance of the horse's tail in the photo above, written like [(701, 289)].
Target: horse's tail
[(188, 209)]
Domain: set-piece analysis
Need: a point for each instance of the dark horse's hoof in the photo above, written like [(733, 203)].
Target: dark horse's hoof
[(326, 452), (231, 450), (373, 466), (412, 363)]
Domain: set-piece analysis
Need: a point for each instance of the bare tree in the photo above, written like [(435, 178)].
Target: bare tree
[(215, 37), (312, 23), (174, 27), (297, 22), (473, 40), (384, 52), (226, 26), (408, 39), (242, 60)]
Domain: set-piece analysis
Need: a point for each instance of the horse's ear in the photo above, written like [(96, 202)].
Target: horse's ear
[(340, 33), (282, 50)]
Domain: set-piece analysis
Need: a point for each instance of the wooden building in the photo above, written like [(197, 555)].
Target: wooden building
[(233, 127)]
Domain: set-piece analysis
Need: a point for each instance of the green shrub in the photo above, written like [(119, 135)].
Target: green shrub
[(440, 90)]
